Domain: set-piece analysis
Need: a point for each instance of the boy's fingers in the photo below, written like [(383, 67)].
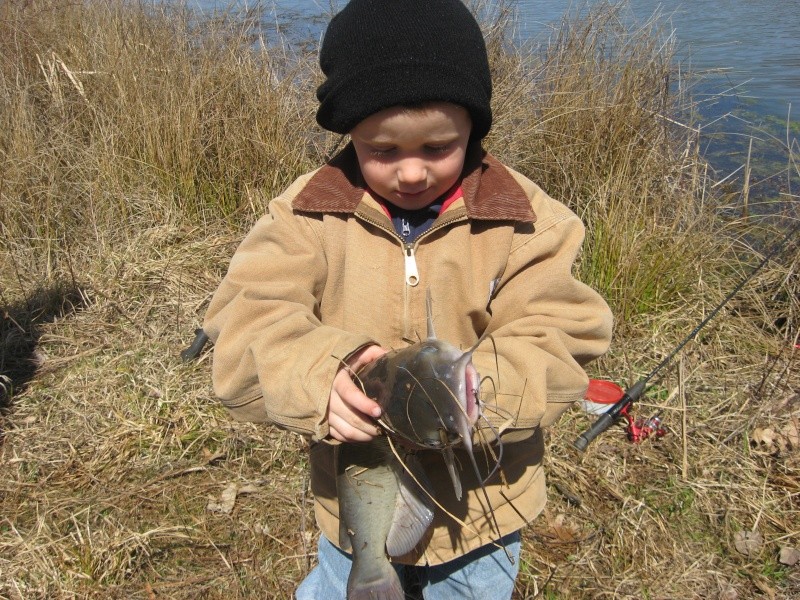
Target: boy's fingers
[(350, 423), (357, 400), (366, 356), (351, 412), (343, 431), (352, 395)]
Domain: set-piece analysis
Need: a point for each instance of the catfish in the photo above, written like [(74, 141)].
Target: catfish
[(428, 395)]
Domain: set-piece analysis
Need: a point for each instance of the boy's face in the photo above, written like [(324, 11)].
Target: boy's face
[(411, 156)]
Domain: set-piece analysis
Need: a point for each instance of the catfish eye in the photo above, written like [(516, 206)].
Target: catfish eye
[(427, 350)]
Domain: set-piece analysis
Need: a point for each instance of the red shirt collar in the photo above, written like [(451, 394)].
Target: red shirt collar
[(453, 194)]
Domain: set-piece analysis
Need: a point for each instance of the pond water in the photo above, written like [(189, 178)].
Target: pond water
[(755, 44), (748, 53)]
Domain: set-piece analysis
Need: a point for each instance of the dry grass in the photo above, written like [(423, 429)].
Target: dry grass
[(134, 152)]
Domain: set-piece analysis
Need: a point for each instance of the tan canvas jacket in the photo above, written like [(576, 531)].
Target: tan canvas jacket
[(324, 274)]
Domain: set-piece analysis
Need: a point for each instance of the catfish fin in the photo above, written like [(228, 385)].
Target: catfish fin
[(450, 461), (386, 587), (413, 512)]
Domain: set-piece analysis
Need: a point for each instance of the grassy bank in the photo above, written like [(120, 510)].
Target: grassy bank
[(136, 147)]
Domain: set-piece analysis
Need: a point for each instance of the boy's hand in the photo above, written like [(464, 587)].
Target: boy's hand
[(351, 415)]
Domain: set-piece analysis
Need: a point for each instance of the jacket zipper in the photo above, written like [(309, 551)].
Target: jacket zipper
[(412, 279), (412, 274), (409, 249), (411, 271)]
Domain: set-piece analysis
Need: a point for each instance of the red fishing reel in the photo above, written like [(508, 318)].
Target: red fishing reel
[(640, 429), (601, 395)]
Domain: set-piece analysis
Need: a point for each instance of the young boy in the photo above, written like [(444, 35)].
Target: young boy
[(338, 270)]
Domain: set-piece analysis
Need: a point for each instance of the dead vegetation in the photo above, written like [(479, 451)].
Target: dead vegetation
[(135, 149)]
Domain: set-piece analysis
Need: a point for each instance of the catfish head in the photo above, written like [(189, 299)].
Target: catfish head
[(438, 403), (428, 394)]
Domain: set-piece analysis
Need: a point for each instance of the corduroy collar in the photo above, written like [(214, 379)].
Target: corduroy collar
[(490, 192)]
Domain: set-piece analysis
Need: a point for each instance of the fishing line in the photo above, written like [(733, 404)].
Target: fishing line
[(635, 392)]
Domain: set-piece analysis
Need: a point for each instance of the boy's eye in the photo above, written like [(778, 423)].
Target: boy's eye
[(381, 151), (389, 151), (437, 149)]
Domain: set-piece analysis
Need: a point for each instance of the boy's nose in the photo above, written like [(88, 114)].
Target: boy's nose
[(411, 171)]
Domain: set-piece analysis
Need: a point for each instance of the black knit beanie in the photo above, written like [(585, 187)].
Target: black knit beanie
[(382, 53)]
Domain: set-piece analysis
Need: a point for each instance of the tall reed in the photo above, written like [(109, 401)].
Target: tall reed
[(590, 116), (116, 115)]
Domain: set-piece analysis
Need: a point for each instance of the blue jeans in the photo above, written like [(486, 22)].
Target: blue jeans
[(483, 573)]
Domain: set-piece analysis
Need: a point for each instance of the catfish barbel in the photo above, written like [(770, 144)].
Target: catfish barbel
[(428, 395)]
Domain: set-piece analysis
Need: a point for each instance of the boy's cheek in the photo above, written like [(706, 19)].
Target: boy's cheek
[(376, 176)]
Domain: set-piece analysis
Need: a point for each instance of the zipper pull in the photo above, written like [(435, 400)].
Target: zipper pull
[(412, 275), (406, 228)]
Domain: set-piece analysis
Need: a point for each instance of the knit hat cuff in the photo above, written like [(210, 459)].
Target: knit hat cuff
[(357, 97)]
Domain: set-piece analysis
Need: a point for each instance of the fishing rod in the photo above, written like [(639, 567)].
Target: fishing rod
[(633, 393)]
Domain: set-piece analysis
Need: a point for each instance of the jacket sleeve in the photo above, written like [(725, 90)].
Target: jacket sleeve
[(545, 326), (273, 358)]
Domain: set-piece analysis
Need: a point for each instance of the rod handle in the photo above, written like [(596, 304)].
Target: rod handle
[(610, 417), (193, 351), (599, 426)]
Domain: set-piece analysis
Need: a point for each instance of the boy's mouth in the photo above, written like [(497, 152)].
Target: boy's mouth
[(411, 194)]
